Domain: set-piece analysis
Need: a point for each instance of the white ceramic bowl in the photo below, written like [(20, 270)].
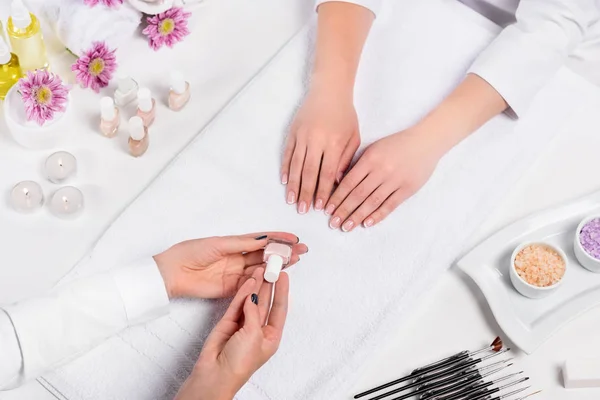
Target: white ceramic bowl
[(586, 260), (527, 289), (28, 133)]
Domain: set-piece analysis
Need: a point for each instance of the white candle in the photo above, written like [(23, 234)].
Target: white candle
[(60, 166), (27, 196), (67, 202)]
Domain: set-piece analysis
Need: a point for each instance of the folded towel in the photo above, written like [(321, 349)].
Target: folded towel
[(351, 290), (77, 25)]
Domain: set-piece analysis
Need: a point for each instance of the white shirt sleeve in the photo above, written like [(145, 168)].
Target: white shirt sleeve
[(527, 54), (39, 334), (373, 5)]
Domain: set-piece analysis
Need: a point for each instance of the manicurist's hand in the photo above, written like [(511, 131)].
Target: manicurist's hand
[(320, 146), (216, 267), (389, 171), (247, 336)]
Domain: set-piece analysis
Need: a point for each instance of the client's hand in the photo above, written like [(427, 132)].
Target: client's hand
[(216, 267), (389, 172), (322, 141), (246, 337)]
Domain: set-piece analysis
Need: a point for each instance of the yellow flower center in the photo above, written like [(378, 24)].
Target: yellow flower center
[(43, 95), (166, 27), (96, 66)]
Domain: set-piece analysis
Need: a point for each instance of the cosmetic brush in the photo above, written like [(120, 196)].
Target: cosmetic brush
[(496, 346), (478, 390), (504, 396), (462, 365), (473, 369), (477, 377), (457, 385)]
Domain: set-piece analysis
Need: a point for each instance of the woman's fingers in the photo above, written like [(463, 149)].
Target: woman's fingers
[(372, 203), (358, 195), (256, 257), (279, 308), (252, 285), (348, 184), (252, 242), (346, 159), (310, 174), (327, 178), (264, 301), (287, 159), (295, 174), (389, 205), (251, 311)]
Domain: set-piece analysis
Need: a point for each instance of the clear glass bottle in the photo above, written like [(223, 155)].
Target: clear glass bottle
[(277, 255), (146, 107), (179, 95), (25, 35), (109, 117), (10, 69)]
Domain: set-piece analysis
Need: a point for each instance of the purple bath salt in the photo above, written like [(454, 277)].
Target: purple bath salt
[(589, 238)]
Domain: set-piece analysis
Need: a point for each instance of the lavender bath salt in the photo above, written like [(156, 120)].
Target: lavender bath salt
[(590, 238)]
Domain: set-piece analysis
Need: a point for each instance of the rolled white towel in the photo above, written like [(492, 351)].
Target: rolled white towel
[(77, 25)]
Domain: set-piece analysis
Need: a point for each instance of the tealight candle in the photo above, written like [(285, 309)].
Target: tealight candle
[(27, 196), (60, 166), (67, 202)]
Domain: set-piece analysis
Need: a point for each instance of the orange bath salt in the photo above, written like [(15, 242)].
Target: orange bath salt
[(540, 265)]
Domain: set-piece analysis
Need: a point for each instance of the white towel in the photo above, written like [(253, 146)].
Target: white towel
[(351, 290), (78, 25)]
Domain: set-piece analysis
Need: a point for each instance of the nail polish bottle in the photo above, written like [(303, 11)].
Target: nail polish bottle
[(127, 90), (277, 255), (109, 117), (138, 137), (146, 107), (179, 94)]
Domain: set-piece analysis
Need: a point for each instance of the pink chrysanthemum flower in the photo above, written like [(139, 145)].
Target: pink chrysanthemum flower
[(167, 28), (94, 69), (43, 94), (108, 3)]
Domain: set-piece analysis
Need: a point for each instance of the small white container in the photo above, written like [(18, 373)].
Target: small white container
[(28, 133), (586, 260), (527, 289)]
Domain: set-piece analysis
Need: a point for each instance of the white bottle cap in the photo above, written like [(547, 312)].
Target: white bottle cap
[(5, 55), (274, 266), (136, 128), (107, 109), (20, 15), (145, 100), (178, 83), (125, 83)]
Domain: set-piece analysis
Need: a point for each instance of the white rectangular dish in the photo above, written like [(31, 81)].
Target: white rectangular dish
[(527, 322)]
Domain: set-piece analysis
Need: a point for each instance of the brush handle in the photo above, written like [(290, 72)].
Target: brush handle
[(483, 395), (461, 365), (461, 382), (455, 375), (454, 387), (438, 364), (467, 393)]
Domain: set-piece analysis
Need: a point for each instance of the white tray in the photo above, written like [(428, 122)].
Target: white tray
[(528, 323)]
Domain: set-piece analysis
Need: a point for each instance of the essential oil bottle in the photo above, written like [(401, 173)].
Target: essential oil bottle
[(10, 69), (25, 36)]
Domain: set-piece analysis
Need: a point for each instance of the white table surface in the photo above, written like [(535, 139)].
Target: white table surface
[(451, 317)]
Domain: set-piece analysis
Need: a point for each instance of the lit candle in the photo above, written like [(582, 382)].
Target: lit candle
[(60, 166), (67, 202), (27, 196)]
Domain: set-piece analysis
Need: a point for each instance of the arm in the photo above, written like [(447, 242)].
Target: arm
[(509, 73), (324, 135), (41, 333)]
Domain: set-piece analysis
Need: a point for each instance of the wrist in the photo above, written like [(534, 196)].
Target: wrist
[(337, 84), (210, 384), (435, 142)]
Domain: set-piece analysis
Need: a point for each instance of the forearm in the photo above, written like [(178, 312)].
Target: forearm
[(466, 109), (341, 34)]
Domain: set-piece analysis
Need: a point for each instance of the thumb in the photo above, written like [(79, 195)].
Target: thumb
[(242, 244)]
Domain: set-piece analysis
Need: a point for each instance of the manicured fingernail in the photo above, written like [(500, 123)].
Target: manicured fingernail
[(260, 237), (335, 223), (319, 205), (302, 208), (284, 179), (368, 222), (348, 225), (291, 198), (339, 177), (297, 240), (254, 298), (330, 209)]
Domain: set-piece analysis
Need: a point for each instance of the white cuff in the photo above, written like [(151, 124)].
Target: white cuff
[(11, 361), (143, 291), (373, 5), (517, 66)]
